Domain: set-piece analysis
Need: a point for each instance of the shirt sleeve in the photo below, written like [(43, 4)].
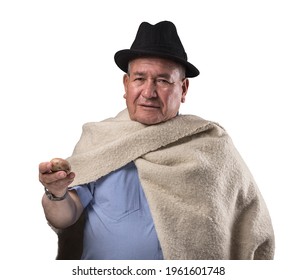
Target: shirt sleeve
[(85, 193)]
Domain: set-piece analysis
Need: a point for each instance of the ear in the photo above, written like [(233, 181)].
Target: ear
[(125, 82), (185, 87)]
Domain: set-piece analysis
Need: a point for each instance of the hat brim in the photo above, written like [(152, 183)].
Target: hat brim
[(123, 57)]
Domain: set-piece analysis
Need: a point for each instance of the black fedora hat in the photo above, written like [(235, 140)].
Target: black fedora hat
[(159, 40)]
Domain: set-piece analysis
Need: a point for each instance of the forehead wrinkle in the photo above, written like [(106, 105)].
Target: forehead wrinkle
[(146, 73), (170, 69)]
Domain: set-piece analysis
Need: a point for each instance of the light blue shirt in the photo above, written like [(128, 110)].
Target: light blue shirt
[(119, 225)]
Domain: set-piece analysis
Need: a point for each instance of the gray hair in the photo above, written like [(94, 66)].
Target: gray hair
[(180, 67)]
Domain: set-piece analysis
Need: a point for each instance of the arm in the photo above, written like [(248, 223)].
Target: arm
[(63, 213)]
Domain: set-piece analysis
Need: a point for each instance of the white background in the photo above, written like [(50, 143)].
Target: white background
[(57, 72)]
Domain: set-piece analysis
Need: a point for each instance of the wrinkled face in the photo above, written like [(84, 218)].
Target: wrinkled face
[(154, 89)]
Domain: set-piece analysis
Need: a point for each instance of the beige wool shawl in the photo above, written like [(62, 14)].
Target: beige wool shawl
[(204, 202)]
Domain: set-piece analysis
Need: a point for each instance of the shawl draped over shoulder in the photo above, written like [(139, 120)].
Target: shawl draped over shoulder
[(204, 201)]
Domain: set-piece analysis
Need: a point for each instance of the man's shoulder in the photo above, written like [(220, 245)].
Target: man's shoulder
[(200, 124)]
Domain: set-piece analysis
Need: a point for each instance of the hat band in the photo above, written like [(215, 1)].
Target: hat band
[(166, 50)]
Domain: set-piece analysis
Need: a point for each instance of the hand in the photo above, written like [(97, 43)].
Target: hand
[(56, 182)]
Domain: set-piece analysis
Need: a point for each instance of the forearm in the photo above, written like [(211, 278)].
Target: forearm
[(61, 214)]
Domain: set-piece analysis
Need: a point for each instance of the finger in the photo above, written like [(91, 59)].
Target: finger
[(61, 183), (59, 164), (55, 177), (45, 167), (51, 177)]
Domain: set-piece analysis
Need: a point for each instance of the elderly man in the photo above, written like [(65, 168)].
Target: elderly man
[(153, 184)]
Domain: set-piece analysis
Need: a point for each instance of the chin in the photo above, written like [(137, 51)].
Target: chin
[(147, 118), (148, 121)]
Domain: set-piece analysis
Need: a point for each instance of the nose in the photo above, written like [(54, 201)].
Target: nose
[(149, 89)]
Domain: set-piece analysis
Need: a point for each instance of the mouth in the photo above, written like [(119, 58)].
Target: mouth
[(149, 106)]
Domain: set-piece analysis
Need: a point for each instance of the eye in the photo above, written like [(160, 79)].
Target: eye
[(140, 79), (163, 81)]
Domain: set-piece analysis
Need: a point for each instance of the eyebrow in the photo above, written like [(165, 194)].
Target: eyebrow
[(161, 75), (137, 73)]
